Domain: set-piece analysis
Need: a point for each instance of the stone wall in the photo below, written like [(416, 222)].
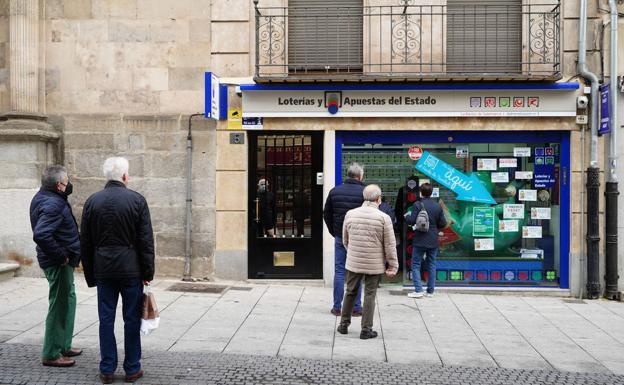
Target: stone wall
[(156, 149)]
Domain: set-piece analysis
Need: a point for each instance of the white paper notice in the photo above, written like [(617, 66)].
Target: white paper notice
[(508, 163), (483, 244), (462, 152), (527, 195), (522, 152), (540, 212), (511, 211), (508, 226), (486, 164), (524, 175), (531, 231), (436, 192), (500, 177)]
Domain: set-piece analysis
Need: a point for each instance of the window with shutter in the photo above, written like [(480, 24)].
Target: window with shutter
[(484, 36), (325, 35)]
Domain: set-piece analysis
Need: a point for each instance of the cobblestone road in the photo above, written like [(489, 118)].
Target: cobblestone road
[(19, 364)]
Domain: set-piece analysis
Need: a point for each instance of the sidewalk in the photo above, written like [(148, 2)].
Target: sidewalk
[(529, 333)]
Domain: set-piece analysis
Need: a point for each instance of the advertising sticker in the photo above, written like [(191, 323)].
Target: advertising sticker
[(462, 152), (531, 231), (524, 175), (500, 177), (527, 195), (485, 164), (540, 212), (483, 222), (513, 211), (484, 244), (508, 226), (522, 152), (508, 163)]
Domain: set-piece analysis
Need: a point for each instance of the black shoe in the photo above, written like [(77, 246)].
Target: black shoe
[(342, 329), (366, 334)]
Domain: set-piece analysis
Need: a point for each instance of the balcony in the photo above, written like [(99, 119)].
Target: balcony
[(509, 40)]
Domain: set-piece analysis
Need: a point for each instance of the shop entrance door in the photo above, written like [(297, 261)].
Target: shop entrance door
[(285, 205)]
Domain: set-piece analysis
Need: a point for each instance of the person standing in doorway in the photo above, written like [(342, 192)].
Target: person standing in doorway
[(58, 252), (368, 235), (268, 210), (341, 199), (118, 258), (425, 243)]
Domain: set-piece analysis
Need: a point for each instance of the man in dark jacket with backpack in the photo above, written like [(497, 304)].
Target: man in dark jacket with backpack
[(118, 258), (341, 199), (58, 252), (428, 219)]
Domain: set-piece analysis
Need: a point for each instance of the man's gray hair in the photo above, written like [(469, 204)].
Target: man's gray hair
[(114, 168), (52, 175), (355, 171), (371, 192)]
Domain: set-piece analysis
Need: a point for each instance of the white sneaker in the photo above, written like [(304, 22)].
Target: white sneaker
[(414, 294), (428, 295)]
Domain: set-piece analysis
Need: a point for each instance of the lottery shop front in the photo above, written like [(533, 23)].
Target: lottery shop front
[(505, 195)]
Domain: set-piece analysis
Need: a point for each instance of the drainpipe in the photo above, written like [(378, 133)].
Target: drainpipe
[(611, 188), (593, 172), (189, 201)]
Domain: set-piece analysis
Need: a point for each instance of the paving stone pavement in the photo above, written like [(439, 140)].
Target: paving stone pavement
[(288, 329), (19, 365)]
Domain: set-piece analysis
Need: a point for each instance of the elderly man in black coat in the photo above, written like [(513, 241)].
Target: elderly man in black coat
[(341, 199), (118, 258)]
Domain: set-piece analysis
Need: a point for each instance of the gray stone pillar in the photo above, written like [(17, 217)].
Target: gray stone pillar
[(24, 55), (28, 142)]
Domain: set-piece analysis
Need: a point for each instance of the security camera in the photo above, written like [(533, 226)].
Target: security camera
[(238, 91), (582, 102)]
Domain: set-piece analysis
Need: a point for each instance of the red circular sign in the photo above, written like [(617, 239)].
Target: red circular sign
[(415, 152)]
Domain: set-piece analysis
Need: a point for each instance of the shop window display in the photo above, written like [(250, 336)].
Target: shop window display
[(514, 238)]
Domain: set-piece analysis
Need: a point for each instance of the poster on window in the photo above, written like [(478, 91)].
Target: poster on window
[(484, 244), (522, 152), (508, 163), (508, 226), (500, 177), (531, 231), (485, 164), (436, 192), (524, 175), (513, 211), (527, 195), (483, 222), (462, 152), (540, 212)]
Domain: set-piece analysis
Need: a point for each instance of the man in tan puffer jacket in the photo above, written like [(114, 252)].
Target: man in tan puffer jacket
[(368, 236)]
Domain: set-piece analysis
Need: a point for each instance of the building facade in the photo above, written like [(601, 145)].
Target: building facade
[(487, 90)]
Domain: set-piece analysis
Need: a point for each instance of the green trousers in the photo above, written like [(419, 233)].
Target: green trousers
[(59, 326)]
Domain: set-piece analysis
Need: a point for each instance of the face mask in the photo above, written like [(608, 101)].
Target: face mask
[(69, 188)]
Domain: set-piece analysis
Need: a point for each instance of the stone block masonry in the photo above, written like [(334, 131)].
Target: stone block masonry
[(156, 149)]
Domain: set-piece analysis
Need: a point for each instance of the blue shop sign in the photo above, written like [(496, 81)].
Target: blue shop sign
[(605, 119), (544, 175)]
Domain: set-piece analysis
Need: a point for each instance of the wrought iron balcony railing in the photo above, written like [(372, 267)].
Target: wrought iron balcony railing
[(511, 40)]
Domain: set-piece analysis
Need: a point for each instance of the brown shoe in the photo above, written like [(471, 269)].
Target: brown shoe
[(135, 376), (61, 362), (106, 378), (72, 352)]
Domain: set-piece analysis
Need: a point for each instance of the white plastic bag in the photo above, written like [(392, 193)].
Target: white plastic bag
[(151, 317)]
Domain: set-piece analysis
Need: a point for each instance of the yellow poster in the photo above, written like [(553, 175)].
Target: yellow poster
[(235, 119)]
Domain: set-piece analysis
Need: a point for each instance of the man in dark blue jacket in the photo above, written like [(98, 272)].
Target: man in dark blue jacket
[(118, 258), (58, 251), (341, 199), (425, 243)]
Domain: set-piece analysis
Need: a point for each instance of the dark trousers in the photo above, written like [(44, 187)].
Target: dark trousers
[(340, 259), (108, 292), (354, 280)]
